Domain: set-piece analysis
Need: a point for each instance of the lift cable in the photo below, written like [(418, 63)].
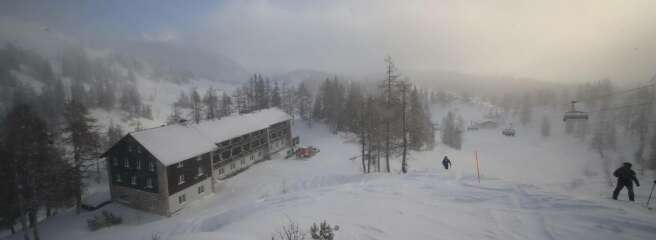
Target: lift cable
[(615, 93)]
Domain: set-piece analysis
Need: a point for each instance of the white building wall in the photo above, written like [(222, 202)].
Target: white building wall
[(191, 194), (248, 160)]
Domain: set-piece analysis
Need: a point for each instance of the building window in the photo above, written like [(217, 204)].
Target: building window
[(199, 158), (149, 182), (126, 163), (236, 151), (129, 147), (117, 177), (138, 149), (133, 180), (201, 189), (200, 171), (232, 165), (181, 179), (221, 171), (151, 165), (180, 165), (138, 164), (181, 199)]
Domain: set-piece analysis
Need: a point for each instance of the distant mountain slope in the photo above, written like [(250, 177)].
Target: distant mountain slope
[(197, 62)]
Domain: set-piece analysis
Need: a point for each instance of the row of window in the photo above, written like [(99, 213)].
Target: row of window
[(132, 148), (236, 151), (183, 197), (138, 165), (132, 180), (181, 177), (233, 164), (198, 158)]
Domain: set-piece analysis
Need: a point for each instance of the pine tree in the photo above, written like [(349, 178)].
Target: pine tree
[(83, 138), (419, 126), (226, 105), (130, 101), (196, 106), (318, 108), (288, 99), (275, 96), (404, 88), (28, 149), (114, 134), (390, 100), (78, 92), (304, 101), (211, 102), (352, 109)]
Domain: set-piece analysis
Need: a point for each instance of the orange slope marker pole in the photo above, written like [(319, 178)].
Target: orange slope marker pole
[(478, 171)]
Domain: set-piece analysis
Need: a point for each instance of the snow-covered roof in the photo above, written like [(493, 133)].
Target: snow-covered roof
[(177, 142)]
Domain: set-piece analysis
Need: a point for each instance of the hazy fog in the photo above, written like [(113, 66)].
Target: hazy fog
[(571, 41)]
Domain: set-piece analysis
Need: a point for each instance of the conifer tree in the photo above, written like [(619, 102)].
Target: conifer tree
[(226, 105), (83, 138), (196, 106), (211, 102)]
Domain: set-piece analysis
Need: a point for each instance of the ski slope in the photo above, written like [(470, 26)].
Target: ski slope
[(531, 188)]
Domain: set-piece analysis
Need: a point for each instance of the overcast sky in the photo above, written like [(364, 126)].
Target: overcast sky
[(571, 41)]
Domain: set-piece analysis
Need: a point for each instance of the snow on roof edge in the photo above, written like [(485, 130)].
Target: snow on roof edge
[(174, 143)]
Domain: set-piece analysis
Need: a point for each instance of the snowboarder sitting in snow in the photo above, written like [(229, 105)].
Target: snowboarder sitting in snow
[(625, 178), (446, 162)]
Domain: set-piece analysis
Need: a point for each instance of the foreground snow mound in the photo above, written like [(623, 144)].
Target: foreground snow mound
[(423, 205)]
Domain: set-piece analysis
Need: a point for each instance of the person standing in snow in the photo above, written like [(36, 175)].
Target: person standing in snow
[(446, 162), (625, 178)]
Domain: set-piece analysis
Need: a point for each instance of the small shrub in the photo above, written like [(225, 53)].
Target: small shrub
[(93, 224), (322, 232), (111, 219), (106, 219), (290, 232)]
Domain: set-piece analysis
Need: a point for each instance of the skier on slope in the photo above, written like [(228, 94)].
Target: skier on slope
[(625, 178), (446, 162)]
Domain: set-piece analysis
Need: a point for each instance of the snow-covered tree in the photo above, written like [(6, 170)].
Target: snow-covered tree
[(304, 102), (211, 102), (196, 106)]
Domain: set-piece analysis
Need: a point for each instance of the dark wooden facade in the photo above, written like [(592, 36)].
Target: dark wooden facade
[(142, 181), (193, 170), (132, 165)]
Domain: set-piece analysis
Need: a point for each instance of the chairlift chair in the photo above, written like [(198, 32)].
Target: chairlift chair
[(573, 114)]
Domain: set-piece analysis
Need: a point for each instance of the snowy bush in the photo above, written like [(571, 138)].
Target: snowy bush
[(322, 232), (106, 219), (290, 232)]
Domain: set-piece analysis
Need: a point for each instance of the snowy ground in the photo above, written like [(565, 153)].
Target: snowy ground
[(530, 189)]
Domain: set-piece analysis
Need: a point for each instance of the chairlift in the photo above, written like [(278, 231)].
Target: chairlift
[(573, 114)]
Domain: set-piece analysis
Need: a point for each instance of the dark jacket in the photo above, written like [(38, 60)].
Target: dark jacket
[(626, 176), (446, 161)]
